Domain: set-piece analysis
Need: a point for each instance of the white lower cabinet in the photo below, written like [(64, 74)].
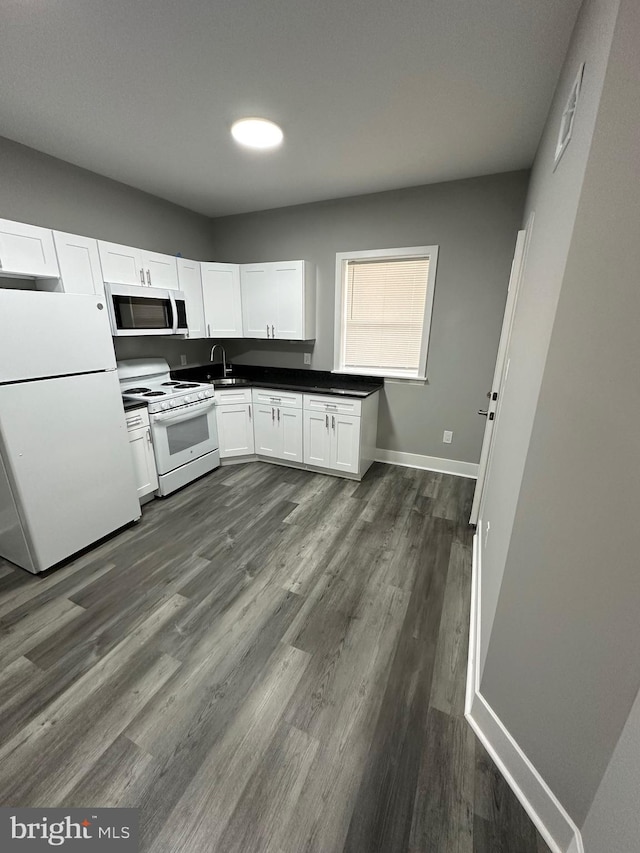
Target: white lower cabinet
[(278, 424), (234, 417), (144, 463), (340, 433)]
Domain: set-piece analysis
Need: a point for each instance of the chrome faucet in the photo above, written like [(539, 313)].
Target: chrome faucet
[(225, 370)]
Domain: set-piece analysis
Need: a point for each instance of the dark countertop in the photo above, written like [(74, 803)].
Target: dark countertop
[(285, 379)]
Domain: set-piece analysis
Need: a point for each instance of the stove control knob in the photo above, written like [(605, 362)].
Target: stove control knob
[(201, 395), (165, 405), (189, 398), (173, 403)]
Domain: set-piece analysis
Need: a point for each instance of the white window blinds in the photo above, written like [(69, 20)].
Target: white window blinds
[(384, 314)]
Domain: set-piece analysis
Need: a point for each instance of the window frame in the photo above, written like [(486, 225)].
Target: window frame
[(395, 254)]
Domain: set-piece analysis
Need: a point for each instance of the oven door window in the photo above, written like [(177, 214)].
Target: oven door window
[(142, 312), (187, 434)]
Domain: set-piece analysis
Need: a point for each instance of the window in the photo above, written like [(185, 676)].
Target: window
[(383, 311)]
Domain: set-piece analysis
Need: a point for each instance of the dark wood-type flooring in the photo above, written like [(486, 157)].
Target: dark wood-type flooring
[(271, 660)]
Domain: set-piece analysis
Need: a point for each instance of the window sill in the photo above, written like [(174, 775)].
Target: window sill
[(387, 377)]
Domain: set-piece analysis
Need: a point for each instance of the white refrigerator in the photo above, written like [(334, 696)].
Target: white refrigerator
[(66, 476)]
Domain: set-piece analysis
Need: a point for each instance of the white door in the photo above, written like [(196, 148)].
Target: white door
[(79, 263), (68, 444), (317, 439), (144, 464), (290, 426), (222, 300), (502, 366), (258, 300), (191, 286), (27, 250), (265, 430), (235, 430), (160, 270), (345, 443), (289, 286), (121, 264)]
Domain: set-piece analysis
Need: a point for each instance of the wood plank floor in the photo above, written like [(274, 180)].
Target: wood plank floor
[(271, 661)]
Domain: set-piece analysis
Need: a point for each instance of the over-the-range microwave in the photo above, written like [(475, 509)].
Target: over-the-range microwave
[(135, 310)]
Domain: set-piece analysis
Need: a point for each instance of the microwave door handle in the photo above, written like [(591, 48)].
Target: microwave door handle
[(174, 314)]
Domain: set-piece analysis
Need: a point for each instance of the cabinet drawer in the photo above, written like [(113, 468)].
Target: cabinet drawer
[(137, 418), (337, 405), (228, 396), (283, 399)]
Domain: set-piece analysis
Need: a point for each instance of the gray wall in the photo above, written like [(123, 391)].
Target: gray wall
[(553, 197), (563, 665), (474, 222), (43, 190)]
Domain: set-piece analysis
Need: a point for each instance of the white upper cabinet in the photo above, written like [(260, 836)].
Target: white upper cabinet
[(258, 300), (27, 250), (191, 285), (222, 300), (128, 265), (160, 270), (79, 263), (278, 300), (121, 264)]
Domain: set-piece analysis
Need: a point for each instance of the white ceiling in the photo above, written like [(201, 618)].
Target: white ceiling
[(371, 94)]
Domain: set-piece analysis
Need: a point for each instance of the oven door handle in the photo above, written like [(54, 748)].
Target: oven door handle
[(176, 417)]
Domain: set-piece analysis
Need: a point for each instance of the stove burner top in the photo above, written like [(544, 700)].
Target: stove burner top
[(154, 394), (137, 390), (171, 383), (187, 385)]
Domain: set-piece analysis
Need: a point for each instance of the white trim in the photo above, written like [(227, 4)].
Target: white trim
[(545, 810), (341, 294), (427, 463)]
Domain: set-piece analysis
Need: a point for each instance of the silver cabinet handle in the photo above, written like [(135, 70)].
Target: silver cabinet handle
[(149, 278), (273, 415), (483, 412), (278, 415), (209, 329), (267, 330), (273, 332), (141, 276), (249, 411), (333, 423), (149, 436), (326, 421)]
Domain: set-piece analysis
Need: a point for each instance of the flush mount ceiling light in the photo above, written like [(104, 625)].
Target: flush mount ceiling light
[(256, 133)]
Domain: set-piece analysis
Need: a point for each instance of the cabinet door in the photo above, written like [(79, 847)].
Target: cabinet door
[(265, 431), (222, 300), (289, 422), (345, 443), (160, 270), (235, 430), (121, 264), (258, 300), (27, 250), (191, 286), (288, 280), (144, 464), (79, 263), (317, 439)]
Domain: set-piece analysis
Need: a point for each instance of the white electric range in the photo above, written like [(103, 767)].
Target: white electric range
[(182, 418)]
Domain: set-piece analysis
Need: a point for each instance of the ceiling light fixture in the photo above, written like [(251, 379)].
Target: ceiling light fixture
[(256, 133)]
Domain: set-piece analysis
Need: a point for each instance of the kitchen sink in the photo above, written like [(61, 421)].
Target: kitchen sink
[(238, 380)]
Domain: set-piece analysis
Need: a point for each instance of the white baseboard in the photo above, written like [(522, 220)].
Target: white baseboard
[(427, 463), (545, 810)]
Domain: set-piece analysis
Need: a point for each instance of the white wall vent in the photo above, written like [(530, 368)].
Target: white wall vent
[(568, 117)]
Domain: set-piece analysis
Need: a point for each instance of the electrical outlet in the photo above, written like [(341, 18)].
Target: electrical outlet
[(183, 359), (307, 358), (447, 436)]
